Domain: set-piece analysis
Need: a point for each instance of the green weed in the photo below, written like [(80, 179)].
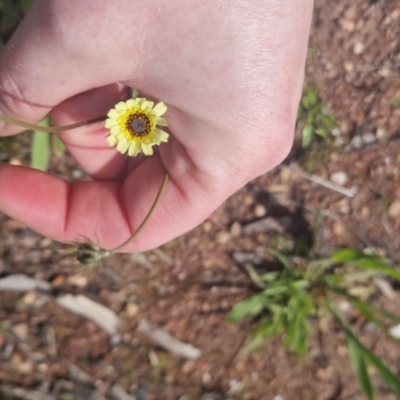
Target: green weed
[(316, 120), (304, 289)]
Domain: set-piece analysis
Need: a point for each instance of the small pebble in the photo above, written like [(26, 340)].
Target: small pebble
[(381, 132), (236, 229), (248, 200), (15, 161), (206, 378), (344, 209), (76, 174), (339, 177), (260, 211), (207, 226), (29, 298), (336, 132), (21, 330), (58, 281), (223, 237), (235, 386), (347, 25), (344, 306), (348, 66), (358, 48), (370, 327), (45, 242), (394, 210), (389, 160), (384, 72), (357, 142), (132, 309), (368, 138), (395, 331), (115, 340), (43, 368), (78, 280)]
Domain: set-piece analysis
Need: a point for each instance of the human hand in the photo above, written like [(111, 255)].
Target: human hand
[(230, 72)]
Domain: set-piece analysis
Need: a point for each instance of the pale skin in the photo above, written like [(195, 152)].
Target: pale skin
[(230, 72)]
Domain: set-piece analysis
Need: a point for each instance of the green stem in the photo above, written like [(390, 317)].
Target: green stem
[(148, 216), (48, 129)]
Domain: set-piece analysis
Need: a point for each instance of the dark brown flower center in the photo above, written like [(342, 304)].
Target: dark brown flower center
[(138, 124)]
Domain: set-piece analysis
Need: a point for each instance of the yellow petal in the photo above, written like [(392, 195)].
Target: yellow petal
[(161, 121), (121, 106), (112, 140), (110, 123), (159, 109), (113, 113), (147, 150), (134, 149), (147, 104), (163, 136), (123, 146), (115, 130), (131, 103)]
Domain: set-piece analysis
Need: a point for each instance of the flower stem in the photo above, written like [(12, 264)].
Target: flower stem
[(48, 129), (147, 217)]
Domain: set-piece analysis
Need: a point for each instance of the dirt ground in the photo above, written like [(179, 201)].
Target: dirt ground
[(188, 286)]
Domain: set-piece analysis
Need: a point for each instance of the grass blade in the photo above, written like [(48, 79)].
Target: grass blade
[(366, 261), (58, 145), (359, 367), (388, 376), (247, 308), (40, 150)]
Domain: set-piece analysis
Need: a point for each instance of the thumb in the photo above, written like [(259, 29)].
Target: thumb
[(40, 67)]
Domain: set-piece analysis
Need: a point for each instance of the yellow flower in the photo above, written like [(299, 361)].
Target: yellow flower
[(134, 125)]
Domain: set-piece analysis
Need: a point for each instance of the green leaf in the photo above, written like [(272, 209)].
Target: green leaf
[(276, 290), (307, 135), (58, 145), (317, 268), (315, 111), (254, 276), (374, 313), (388, 376), (281, 258), (247, 308), (328, 121), (270, 326), (321, 131), (366, 261), (359, 367), (309, 98), (40, 149), (270, 276)]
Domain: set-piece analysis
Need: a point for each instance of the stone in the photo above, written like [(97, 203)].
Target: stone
[(339, 177), (358, 48), (394, 209)]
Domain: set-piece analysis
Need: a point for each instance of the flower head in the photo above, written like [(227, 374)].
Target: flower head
[(134, 125)]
